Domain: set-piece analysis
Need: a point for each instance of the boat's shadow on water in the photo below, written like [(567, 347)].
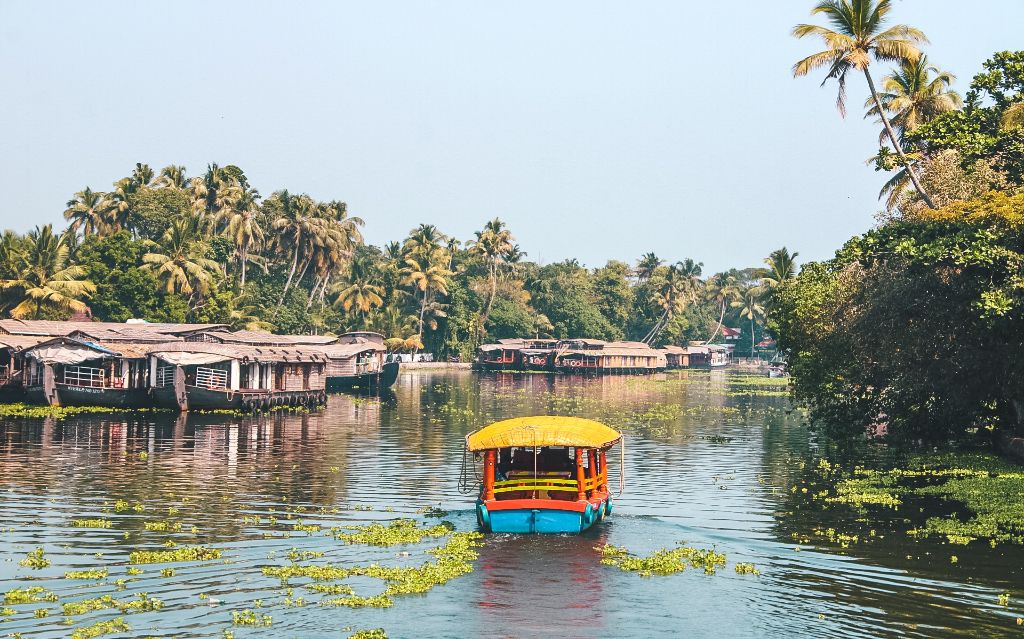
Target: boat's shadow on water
[(540, 585)]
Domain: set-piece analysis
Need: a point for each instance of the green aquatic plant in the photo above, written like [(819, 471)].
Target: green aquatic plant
[(92, 523), (39, 613), (303, 555), (26, 411), (95, 574), (399, 531), (355, 601), (331, 589), (167, 572), (664, 561), (375, 633), (185, 553), (35, 560), (249, 618), (32, 594), (101, 628), (163, 526), (747, 569)]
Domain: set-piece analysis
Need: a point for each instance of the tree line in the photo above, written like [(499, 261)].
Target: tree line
[(163, 246), (913, 329)]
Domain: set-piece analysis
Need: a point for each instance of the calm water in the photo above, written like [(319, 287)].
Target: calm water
[(711, 461)]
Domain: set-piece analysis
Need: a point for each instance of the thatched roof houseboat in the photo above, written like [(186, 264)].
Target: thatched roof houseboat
[(358, 361), (676, 356), (205, 375), (65, 371), (597, 357), (12, 386)]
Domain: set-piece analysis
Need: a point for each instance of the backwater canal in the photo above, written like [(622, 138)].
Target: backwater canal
[(713, 460)]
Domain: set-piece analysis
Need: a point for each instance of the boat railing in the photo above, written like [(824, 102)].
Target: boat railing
[(85, 376), (211, 378), (542, 483), (165, 375)]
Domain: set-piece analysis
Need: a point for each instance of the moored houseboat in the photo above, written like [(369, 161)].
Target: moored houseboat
[(536, 355), (207, 376), (64, 371), (12, 361), (676, 357), (593, 357), (543, 474), (357, 362), (501, 356)]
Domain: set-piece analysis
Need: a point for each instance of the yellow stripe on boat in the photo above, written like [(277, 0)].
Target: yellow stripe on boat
[(546, 430)]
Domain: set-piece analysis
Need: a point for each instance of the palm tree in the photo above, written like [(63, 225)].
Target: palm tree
[(674, 290), (142, 175), (172, 176), (749, 303), (647, 265), (425, 276), (912, 96), (119, 212), (425, 239), (217, 189), (857, 37), (180, 261), (243, 228), (493, 244), (721, 290), (295, 228), (360, 292), (44, 280), (1013, 117), (87, 211), (781, 267)]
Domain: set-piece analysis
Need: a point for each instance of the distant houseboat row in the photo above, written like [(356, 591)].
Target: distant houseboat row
[(592, 356), (182, 366)]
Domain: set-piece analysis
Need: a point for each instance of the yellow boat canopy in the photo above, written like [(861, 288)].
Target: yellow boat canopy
[(545, 430)]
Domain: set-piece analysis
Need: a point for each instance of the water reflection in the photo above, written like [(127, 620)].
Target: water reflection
[(708, 463)]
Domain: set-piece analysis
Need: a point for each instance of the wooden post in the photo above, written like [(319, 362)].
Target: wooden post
[(604, 472), (581, 493), (489, 474), (592, 460)]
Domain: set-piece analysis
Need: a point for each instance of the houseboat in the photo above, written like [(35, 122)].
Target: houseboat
[(543, 474), (502, 356), (209, 376), (12, 380), (357, 362), (676, 357), (708, 355), (591, 357), (65, 371), (536, 355)]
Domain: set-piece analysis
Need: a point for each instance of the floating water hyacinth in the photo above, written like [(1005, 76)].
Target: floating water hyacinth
[(92, 523), (399, 531), (248, 617), (664, 561), (35, 560), (186, 553), (96, 574), (101, 628), (33, 594), (375, 633)]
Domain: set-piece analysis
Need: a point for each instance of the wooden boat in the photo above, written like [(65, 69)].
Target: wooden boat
[(595, 357), (215, 376), (543, 474), (357, 362), (69, 372)]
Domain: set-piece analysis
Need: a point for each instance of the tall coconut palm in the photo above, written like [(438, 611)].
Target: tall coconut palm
[(44, 280), (243, 228), (912, 95), (172, 176), (749, 303), (88, 212), (858, 36), (360, 292), (217, 189), (781, 267), (180, 260), (142, 175), (721, 291), (119, 212), (493, 244), (647, 265), (425, 239), (676, 288), (296, 228), (425, 276)]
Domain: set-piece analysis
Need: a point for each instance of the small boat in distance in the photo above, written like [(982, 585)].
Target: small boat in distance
[(543, 474)]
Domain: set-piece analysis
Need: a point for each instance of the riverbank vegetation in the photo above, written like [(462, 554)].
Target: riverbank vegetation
[(913, 329), (209, 248)]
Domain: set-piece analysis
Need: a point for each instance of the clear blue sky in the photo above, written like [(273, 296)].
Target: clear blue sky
[(597, 130)]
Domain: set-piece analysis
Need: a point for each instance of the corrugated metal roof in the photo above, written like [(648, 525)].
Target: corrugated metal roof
[(243, 351)]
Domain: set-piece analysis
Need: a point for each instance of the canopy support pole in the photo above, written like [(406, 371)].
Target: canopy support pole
[(581, 494), (489, 474)]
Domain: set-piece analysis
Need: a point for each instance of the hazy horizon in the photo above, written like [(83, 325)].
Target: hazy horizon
[(597, 131)]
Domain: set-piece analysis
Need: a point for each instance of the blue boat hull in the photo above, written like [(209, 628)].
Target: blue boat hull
[(544, 521)]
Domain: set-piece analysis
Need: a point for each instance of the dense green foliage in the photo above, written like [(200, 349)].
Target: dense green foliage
[(210, 249)]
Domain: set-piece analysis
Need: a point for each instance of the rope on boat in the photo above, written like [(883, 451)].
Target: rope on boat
[(465, 487)]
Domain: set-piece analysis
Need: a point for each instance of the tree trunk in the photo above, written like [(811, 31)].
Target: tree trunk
[(751, 337), (423, 310), (651, 334), (312, 292), (895, 142), (245, 260), (288, 284), (721, 318)]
